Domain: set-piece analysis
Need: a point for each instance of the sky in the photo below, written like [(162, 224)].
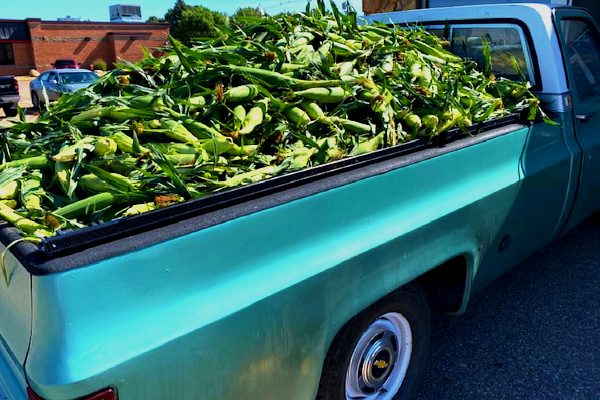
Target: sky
[(97, 10)]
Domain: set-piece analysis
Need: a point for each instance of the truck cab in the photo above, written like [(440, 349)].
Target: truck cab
[(556, 49)]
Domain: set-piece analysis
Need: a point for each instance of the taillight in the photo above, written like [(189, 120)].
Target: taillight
[(106, 394), (15, 85)]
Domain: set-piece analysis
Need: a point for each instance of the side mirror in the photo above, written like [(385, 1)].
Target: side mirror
[(53, 81)]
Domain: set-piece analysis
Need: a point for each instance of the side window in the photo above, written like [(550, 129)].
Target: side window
[(507, 43), (44, 77), (439, 32), (583, 57)]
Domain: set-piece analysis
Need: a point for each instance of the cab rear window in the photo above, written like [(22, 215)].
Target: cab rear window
[(510, 53)]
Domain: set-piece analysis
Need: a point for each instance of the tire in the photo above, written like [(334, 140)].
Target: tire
[(9, 111), (381, 354), (35, 100)]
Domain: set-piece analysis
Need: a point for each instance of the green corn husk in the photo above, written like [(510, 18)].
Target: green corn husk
[(241, 93), (105, 146), (9, 190), (297, 115), (239, 116), (253, 119), (368, 146), (31, 191), (89, 205), (69, 153), (332, 95), (36, 162), (177, 131), (125, 144), (10, 203), (289, 93), (313, 110), (24, 224), (138, 209), (200, 130)]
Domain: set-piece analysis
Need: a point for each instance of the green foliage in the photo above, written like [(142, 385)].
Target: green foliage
[(246, 16), (189, 22), (247, 12), (153, 20), (100, 64)]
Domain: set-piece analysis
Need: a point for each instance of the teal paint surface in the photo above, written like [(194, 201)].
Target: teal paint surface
[(15, 326), (550, 169), (587, 133), (248, 308)]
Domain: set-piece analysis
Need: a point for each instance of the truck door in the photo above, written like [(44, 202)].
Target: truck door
[(581, 47)]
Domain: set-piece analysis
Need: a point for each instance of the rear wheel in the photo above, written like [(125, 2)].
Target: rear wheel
[(9, 111), (381, 353)]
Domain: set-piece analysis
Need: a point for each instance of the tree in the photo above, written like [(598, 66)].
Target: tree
[(248, 12), (199, 22), (189, 22), (247, 16), (173, 15), (154, 19)]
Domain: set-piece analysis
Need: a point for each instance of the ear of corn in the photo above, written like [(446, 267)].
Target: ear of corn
[(241, 93), (89, 205), (176, 131), (332, 95), (35, 162), (297, 115), (31, 191), (125, 144), (253, 119), (22, 223), (239, 116), (9, 190)]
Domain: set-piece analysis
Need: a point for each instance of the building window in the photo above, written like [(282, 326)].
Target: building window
[(14, 31), (6, 54)]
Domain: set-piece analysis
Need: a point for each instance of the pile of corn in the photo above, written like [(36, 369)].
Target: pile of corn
[(283, 95)]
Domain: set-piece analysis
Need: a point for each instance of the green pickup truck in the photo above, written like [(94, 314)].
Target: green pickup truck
[(317, 284)]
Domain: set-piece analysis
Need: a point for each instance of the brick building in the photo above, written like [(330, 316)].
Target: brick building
[(35, 44)]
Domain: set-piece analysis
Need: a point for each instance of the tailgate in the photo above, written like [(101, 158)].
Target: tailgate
[(7, 85), (15, 326)]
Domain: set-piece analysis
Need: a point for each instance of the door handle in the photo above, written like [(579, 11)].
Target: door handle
[(584, 117)]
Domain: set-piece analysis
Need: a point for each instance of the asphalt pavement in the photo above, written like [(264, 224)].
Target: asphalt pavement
[(532, 334)]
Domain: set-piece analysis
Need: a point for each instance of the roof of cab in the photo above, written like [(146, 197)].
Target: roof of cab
[(471, 12)]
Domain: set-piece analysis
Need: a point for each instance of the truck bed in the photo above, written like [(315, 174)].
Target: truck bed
[(68, 249)]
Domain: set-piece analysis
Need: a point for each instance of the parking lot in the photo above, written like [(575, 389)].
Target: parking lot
[(533, 334)]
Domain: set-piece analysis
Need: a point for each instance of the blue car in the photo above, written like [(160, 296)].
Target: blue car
[(56, 82)]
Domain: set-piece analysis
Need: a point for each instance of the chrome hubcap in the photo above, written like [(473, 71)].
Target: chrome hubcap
[(380, 359)]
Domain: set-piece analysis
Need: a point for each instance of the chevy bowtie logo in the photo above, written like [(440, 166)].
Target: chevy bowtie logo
[(381, 364)]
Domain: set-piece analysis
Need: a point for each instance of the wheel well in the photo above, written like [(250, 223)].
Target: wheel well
[(445, 285)]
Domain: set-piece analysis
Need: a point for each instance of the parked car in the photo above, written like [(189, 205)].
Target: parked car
[(65, 63), (57, 82), (9, 95)]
